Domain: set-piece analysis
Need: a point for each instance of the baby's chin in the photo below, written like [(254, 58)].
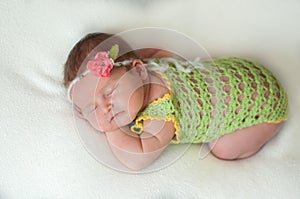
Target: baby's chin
[(120, 121), (112, 127), (105, 130)]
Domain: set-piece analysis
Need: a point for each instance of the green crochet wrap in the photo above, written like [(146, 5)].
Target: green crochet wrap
[(221, 96)]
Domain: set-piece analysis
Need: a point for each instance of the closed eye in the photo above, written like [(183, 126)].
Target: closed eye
[(93, 108), (110, 91), (79, 113), (78, 110), (90, 108)]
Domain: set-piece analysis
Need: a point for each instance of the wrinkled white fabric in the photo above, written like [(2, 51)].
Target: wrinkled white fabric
[(41, 153)]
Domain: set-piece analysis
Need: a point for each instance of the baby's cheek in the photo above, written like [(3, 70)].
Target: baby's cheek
[(94, 121), (134, 107), (131, 112)]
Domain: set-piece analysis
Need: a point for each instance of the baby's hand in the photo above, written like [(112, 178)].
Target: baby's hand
[(138, 151)]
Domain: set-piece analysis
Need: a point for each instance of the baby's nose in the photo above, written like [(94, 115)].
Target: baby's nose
[(106, 108)]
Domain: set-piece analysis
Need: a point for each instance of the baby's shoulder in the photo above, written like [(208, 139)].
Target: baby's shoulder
[(157, 92), (158, 88)]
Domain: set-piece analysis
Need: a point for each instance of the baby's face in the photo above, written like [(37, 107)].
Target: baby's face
[(112, 102)]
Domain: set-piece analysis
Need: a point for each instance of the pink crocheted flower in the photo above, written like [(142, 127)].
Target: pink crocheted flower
[(101, 65)]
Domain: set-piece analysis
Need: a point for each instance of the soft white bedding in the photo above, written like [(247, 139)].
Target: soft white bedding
[(41, 153)]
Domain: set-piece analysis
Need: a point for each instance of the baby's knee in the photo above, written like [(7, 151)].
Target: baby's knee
[(226, 152), (244, 142), (223, 152)]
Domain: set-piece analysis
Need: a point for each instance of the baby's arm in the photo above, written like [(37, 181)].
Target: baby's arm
[(137, 152)]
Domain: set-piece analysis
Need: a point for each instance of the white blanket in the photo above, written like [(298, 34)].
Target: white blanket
[(41, 153)]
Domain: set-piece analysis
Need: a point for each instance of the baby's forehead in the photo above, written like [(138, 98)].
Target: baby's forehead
[(104, 82), (116, 74), (84, 90)]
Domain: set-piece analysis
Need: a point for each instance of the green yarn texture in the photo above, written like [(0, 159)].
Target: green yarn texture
[(227, 94)]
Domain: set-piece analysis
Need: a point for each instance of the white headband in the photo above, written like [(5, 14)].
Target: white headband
[(161, 64)]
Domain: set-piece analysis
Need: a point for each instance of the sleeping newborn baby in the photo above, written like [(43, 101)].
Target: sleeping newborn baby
[(149, 98)]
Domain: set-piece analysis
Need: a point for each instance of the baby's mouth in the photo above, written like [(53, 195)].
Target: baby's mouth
[(114, 116)]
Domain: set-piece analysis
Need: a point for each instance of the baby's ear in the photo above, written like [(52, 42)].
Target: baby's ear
[(140, 68)]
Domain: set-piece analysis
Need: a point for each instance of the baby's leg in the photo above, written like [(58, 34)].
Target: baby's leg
[(244, 142)]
